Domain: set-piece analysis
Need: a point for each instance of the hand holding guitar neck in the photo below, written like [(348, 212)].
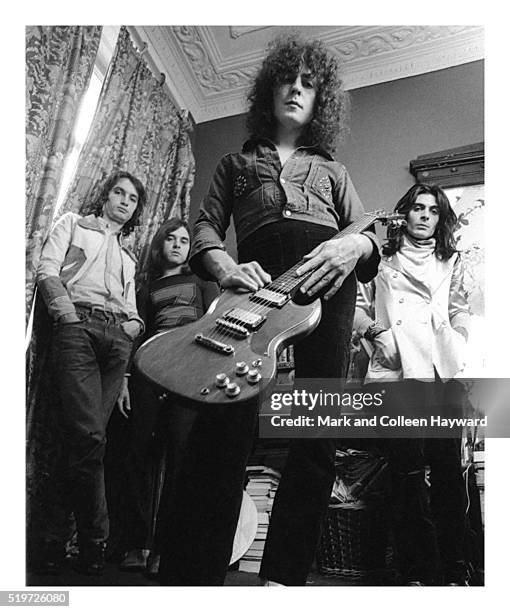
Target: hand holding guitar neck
[(332, 261)]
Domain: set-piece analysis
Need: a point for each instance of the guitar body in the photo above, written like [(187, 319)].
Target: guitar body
[(176, 362), (230, 354)]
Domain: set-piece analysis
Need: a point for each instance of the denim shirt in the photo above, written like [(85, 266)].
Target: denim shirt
[(254, 188)]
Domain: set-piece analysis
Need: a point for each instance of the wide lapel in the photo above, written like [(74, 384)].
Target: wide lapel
[(445, 272), (393, 262)]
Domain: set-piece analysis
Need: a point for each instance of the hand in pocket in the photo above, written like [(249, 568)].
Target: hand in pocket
[(131, 328)]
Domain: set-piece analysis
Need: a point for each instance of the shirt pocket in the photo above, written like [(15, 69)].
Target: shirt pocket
[(246, 185), (319, 187)]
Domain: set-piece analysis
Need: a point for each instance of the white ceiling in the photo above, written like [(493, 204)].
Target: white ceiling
[(208, 69)]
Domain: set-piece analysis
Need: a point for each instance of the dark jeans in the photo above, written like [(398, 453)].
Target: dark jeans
[(90, 358), (197, 520), (305, 487), (429, 524)]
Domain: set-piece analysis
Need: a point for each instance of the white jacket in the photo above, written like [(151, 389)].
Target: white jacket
[(420, 321), (68, 254)]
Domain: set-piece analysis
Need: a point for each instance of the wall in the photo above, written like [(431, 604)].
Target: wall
[(391, 124)]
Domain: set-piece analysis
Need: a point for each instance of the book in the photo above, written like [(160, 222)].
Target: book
[(247, 565)]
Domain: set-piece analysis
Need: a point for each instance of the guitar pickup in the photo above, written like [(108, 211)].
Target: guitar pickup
[(234, 328), (250, 321), (267, 297)]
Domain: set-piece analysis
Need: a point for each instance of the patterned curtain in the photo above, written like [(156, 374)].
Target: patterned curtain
[(137, 128), (59, 63)]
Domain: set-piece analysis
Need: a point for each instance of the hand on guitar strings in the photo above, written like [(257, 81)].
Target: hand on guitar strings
[(333, 261), (246, 276)]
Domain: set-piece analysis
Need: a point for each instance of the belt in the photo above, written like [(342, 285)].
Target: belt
[(93, 309)]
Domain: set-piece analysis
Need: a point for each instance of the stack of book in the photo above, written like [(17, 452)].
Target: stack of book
[(262, 484)]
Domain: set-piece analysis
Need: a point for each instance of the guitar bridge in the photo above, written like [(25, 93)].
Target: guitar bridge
[(215, 345)]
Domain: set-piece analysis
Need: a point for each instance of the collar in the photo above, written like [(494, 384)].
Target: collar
[(252, 143), (91, 222), (445, 267), (97, 224), (94, 223)]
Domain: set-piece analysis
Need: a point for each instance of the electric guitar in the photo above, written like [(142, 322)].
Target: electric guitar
[(230, 354)]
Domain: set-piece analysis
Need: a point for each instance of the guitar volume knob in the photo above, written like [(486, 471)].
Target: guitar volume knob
[(232, 390), (253, 377), (241, 368), (221, 380)]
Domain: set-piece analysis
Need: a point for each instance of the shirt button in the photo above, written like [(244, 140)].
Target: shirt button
[(287, 212), (399, 322), (401, 301), (282, 181), (395, 275), (427, 301)]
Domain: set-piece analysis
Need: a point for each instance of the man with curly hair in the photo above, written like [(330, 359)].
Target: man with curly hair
[(288, 198), (86, 278)]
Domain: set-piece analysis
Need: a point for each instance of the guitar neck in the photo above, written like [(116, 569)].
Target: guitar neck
[(289, 281)]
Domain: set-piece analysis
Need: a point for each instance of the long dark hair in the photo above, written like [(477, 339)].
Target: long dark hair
[(98, 203), (156, 263), (283, 62), (445, 240)]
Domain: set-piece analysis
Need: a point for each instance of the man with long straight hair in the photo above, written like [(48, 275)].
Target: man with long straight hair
[(416, 315), (87, 279), (159, 427)]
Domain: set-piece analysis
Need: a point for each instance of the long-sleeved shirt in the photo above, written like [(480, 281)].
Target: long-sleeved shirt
[(255, 189), (172, 301), (83, 262)]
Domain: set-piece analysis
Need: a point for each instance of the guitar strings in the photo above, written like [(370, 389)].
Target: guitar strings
[(288, 281)]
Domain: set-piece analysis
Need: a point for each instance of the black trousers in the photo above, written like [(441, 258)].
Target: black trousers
[(305, 487), (198, 520), (158, 434), (201, 524), (429, 522)]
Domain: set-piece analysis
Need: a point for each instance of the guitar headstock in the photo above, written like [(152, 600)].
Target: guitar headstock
[(388, 218)]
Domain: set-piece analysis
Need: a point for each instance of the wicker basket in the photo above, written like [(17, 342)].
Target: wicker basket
[(354, 541)]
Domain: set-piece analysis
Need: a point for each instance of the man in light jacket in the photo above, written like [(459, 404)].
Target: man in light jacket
[(416, 316), (86, 278)]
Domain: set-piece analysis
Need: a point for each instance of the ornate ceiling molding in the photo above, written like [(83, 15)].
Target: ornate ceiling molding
[(237, 31), (209, 68)]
